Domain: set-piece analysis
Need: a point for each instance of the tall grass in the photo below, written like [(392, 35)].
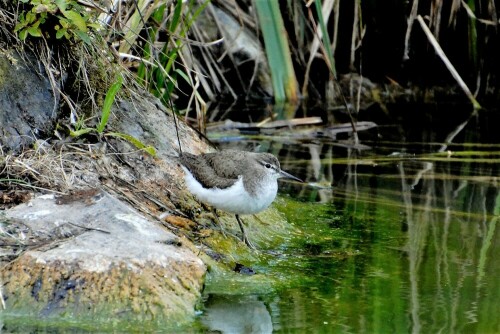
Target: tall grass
[(376, 39), (190, 52), (277, 50), (155, 37), (311, 45)]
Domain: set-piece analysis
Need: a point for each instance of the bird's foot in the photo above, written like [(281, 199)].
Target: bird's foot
[(244, 237), (248, 242)]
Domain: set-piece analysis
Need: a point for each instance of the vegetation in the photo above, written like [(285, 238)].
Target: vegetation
[(55, 18), (278, 52), (100, 127), (421, 209), (193, 52), (190, 53)]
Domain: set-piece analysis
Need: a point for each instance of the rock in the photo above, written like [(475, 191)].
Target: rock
[(28, 102), (87, 254), (94, 256)]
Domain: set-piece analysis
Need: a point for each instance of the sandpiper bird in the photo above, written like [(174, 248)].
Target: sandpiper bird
[(234, 181)]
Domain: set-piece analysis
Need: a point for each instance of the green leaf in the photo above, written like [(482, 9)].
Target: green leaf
[(60, 33), (326, 38), (23, 34), (34, 31), (64, 23), (83, 36), (176, 17), (21, 22), (278, 53), (30, 17), (76, 19), (19, 26), (36, 24), (197, 13), (61, 4), (134, 141), (80, 132), (183, 75), (108, 102), (95, 26)]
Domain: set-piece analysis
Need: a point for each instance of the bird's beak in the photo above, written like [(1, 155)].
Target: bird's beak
[(289, 176)]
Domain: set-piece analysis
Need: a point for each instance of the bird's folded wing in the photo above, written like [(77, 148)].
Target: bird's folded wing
[(205, 173)]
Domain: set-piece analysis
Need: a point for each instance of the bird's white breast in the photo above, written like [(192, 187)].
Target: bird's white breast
[(234, 199)]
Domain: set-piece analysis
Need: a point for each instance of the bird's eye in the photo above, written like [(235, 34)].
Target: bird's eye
[(268, 165)]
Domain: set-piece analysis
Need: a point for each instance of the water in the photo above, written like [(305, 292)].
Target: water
[(400, 237)]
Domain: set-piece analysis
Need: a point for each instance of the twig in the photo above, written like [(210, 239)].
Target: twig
[(90, 228), (411, 19)]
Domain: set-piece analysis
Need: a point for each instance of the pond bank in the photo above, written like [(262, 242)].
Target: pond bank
[(95, 257), (87, 224), (107, 234)]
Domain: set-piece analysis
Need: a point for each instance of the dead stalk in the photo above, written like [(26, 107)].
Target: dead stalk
[(447, 62)]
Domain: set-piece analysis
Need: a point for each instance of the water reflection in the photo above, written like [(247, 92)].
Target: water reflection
[(237, 314), (401, 237)]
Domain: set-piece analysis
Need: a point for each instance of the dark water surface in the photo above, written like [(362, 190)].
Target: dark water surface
[(400, 236)]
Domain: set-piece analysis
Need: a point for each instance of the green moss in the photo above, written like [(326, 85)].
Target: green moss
[(287, 237)]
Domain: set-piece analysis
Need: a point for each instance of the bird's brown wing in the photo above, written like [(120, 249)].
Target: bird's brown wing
[(204, 172), (227, 163)]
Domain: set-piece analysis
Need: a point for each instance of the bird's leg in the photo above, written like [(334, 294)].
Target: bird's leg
[(219, 223), (244, 237)]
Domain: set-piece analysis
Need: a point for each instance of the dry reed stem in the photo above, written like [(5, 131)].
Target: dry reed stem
[(411, 19), (447, 62), (455, 6), (326, 10), (435, 17)]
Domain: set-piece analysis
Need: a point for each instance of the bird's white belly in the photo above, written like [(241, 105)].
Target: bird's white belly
[(234, 199)]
